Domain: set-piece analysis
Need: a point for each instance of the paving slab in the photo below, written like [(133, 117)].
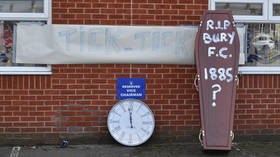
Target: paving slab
[(244, 149)]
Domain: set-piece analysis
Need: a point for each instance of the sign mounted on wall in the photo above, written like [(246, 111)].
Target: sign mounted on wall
[(131, 88), (217, 54)]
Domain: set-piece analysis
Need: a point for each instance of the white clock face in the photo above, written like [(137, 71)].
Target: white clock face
[(131, 122)]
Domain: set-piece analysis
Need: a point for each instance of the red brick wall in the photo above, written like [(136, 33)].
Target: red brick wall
[(77, 98), (128, 12), (258, 105)]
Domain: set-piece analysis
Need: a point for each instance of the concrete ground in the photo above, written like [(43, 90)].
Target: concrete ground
[(241, 149)]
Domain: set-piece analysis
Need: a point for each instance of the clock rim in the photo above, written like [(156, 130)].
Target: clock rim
[(153, 118)]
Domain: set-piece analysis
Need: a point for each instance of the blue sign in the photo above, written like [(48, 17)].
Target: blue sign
[(131, 88)]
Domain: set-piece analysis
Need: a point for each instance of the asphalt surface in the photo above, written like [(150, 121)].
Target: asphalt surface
[(244, 149)]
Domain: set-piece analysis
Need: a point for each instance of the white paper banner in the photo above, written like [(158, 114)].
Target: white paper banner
[(85, 44)]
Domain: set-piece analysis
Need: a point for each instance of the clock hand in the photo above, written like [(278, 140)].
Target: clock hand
[(130, 118)]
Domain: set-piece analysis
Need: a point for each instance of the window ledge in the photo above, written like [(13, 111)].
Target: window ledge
[(26, 70), (258, 70)]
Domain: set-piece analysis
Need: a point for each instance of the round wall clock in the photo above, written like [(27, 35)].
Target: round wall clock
[(131, 122)]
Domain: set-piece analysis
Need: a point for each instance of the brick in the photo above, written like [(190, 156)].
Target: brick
[(163, 123), (67, 92), (185, 106), (245, 116), (177, 122), (65, 16), (11, 119), (162, 112), (5, 113), (83, 124), (170, 86), (259, 106), (43, 97), (43, 118), (60, 86), (145, 6), (274, 116), (252, 121), (22, 113), (115, 6), (268, 101), (43, 130), (260, 96), (260, 116), (162, 91), (6, 92), (267, 121), (91, 119), (176, 101), (68, 124), (83, 113), (193, 17), (245, 106), (169, 107), (178, 112), (68, 113), (83, 5), (29, 130), (20, 124), (253, 91), (268, 111), (253, 101), (186, 1), (27, 118), (168, 117), (51, 114), (12, 108), (253, 111), (91, 21), (139, 22), (5, 124), (185, 117), (75, 119), (170, 1), (12, 129)]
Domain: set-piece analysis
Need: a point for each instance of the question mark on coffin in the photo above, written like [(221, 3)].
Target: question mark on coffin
[(214, 92)]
